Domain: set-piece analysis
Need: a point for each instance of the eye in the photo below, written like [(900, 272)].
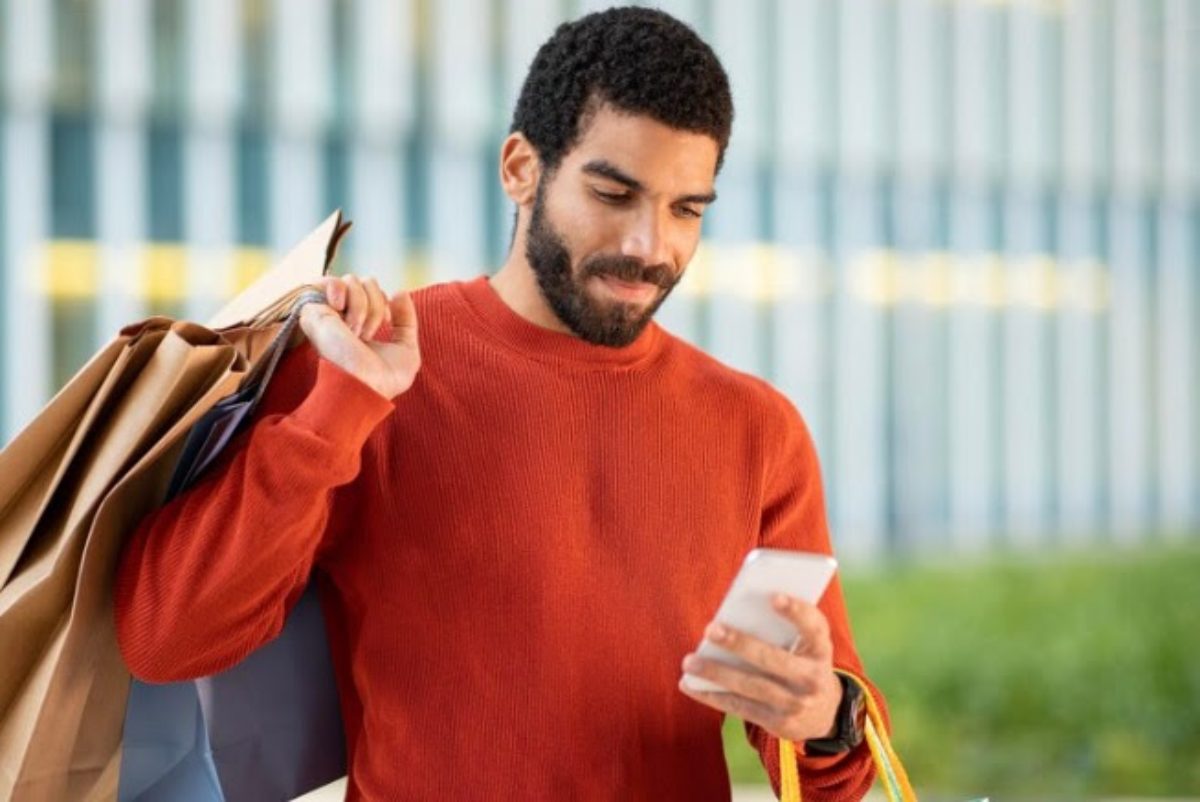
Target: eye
[(615, 198), (688, 211)]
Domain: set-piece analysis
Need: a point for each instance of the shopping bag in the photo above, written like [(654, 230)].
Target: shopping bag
[(81, 475), (32, 464), (274, 720), (54, 671), (267, 728)]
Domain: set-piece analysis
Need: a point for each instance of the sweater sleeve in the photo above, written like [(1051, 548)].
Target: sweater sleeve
[(211, 575), (793, 517)]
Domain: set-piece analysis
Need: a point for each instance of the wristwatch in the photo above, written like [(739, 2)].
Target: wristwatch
[(850, 719)]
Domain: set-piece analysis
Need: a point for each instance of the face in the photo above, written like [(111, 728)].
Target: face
[(613, 228)]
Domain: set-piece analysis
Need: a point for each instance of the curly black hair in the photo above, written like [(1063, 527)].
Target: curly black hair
[(639, 60)]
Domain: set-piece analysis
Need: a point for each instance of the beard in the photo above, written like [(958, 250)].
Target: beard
[(598, 321)]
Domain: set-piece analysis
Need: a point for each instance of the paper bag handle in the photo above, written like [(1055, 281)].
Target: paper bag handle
[(260, 375)]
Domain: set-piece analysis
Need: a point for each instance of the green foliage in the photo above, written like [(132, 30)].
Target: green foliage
[(1072, 676)]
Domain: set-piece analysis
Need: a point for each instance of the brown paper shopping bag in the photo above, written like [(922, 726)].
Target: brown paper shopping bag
[(32, 464), (81, 475)]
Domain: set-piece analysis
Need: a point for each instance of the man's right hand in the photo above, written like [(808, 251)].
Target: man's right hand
[(343, 332)]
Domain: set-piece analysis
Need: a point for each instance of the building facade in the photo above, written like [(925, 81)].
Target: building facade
[(964, 237)]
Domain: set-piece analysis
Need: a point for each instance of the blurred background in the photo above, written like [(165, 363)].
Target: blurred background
[(964, 238)]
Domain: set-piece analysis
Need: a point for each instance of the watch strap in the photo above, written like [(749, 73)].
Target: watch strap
[(850, 720)]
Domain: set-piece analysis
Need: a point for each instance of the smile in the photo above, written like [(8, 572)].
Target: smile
[(629, 291)]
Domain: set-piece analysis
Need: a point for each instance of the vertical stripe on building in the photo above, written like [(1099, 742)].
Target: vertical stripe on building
[(302, 108), (28, 70), (123, 69)]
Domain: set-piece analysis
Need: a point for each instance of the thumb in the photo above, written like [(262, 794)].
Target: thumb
[(404, 318), (812, 628)]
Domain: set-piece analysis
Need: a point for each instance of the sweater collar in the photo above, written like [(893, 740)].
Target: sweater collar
[(541, 343)]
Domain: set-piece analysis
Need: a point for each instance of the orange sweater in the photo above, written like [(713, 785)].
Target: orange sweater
[(514, 557)]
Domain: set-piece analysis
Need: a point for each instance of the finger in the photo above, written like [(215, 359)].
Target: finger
[(767, 657), (761, 689), (740, 706), (377, 308), (319, 323), (357, 305), (404, 318), (335, 292), (811, 625)]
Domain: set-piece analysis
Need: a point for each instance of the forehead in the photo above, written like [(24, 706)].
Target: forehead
[(661, 157)]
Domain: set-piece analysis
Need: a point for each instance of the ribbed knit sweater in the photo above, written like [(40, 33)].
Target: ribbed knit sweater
[(513, 557)]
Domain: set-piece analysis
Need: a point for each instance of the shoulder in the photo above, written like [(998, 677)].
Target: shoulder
[(739, 398), (442, 315), (750, 393), (434, 297)]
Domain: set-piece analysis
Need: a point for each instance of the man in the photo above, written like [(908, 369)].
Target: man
[(523, 525)]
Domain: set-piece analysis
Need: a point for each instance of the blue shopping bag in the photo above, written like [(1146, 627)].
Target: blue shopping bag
[(270, 728)]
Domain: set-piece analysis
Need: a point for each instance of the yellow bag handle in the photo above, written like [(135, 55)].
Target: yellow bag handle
[(887, 763)]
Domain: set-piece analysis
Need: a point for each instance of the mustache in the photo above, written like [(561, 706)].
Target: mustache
[(631, 270)]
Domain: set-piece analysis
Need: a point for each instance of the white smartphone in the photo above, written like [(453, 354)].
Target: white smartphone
[(747, 604)]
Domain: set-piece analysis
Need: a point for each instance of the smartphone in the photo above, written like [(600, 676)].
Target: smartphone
[(747, 604)]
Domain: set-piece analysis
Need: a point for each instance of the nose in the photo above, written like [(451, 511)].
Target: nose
[(647, 239)]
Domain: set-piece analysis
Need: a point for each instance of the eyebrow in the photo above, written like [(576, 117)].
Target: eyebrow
[(606, 169)]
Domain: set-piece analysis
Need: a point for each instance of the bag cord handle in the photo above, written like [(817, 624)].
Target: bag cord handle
[(888, 767)]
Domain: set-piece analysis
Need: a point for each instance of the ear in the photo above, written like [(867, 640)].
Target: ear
[(520, 169)]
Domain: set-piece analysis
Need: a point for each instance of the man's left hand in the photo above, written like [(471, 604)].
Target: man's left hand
[(793, 695)]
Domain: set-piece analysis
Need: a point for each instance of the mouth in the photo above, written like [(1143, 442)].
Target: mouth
[(628, 291)]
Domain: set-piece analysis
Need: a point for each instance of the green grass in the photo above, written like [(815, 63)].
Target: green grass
[(1071, 676)]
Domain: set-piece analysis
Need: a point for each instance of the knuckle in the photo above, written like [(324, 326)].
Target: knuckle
[(767, 656), (326, 285), (791, 668), (764, 689), (750, 686), (809, 619), (811, 677), (786, 699)]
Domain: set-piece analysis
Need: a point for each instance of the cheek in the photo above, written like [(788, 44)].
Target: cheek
[(591, 231), (685, 248)]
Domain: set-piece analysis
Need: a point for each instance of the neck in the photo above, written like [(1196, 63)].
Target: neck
[(518, 288)]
